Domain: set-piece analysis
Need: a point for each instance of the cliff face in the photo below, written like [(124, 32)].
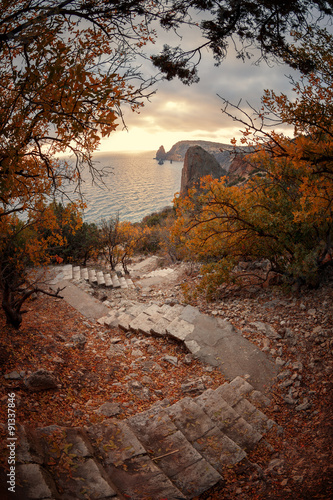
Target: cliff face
[(240, 167), (223, 153), (197, 164)]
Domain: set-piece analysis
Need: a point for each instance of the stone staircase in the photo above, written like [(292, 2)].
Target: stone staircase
[(150, 319), (167, 452), (99, 278)]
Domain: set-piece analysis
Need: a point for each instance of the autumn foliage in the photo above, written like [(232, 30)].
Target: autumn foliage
[(64, 77), (283, 213)]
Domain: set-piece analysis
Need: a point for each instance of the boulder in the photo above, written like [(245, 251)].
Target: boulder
[(40, 380), (197, 164)]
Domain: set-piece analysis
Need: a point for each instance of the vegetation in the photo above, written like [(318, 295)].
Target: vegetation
[(68, 67), (283, 214)]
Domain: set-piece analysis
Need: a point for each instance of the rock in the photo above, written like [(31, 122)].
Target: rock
[(194, 387), (79, 340), (138, 390), (197, 164), (266, 329), (171, 359), (40, 380), (161, 154), (109, 409), (303, 406), (13, 375), (115, 350)]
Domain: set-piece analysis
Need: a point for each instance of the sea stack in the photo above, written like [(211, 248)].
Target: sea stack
[(197, 164), (161, 154)]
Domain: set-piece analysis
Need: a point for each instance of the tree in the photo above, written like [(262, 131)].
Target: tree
[(120, 240), (24, 246), (67, 68), (247, 26), (65, 73), (284, 211), (110, 240)]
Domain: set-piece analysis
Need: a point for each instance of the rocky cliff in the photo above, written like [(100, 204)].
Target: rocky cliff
[(224, 153), (197, 164)]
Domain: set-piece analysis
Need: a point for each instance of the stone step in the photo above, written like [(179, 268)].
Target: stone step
[(174, 452), (123, 282), (92, 276), (97, 277), (100, 278), (234, 397), (115, 281), (67, 455), (228, 420), (133, 471), (84, 273), (199, 429), (108, 280)]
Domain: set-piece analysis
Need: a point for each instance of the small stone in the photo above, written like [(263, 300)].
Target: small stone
[(40, 380), (13, 375), (279, 361), (171, 359), (136, 353), (58, 360), (194, 387), (108, 409), (188, 359), (287, 383), (289, 400), (283, 374), (303, 406), (79, 340)]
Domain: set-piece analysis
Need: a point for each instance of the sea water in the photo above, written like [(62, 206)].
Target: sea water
[(135, 186)]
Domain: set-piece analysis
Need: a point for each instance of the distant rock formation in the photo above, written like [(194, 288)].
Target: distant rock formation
[(161, 154), (197, 164), (224, 153)]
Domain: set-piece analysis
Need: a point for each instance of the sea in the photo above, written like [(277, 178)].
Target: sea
[(136, 186)]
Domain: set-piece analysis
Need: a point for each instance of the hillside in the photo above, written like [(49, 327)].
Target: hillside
[(224, 153)]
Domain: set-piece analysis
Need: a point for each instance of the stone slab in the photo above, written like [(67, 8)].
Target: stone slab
[(223, 346), (219, 450), (196, 478), (124, 321), (115, 441), (36, 482), (173, 453), (179, 329), (228, 420), (152, 424), (140, 479), (142, 323), (87, 305), (190, 419)]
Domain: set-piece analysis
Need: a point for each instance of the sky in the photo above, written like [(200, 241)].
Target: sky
[(180, 112)]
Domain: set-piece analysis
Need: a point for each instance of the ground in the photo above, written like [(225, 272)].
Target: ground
[(89, 375)]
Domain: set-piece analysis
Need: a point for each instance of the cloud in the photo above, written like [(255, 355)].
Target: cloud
[(178, 110)]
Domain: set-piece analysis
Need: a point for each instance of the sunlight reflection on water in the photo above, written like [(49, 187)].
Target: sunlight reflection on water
[(137, 186)]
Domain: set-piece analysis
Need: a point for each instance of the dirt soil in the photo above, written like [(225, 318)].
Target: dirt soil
[(87, 375)]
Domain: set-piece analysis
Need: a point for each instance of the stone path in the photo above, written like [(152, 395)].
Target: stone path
[(168, 452), (212, 340)]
